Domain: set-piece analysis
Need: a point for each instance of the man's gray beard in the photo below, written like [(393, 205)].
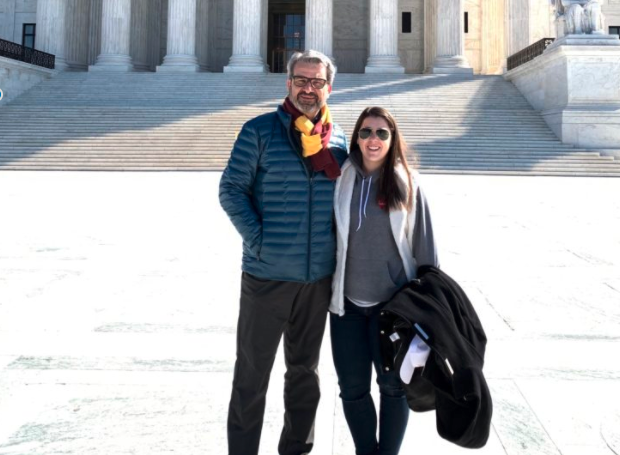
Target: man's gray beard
[(308, 111)]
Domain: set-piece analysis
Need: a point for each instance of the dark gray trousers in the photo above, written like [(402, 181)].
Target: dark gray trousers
[(268, 310)]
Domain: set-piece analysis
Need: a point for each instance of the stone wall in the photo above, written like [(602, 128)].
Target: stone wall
[(139, 41), (493, 37), (611, 9), (518, 32), (473, 37), (351, 26), (7, 19), (542, 20), (94, 31), (13, 15), (221, 24), (411, 45), (202, 33), (17, 77)]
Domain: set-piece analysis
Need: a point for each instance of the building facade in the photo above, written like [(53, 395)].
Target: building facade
[(411, 36)]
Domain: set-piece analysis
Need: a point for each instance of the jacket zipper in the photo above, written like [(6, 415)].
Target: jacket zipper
[(311, 182), (310, 176)]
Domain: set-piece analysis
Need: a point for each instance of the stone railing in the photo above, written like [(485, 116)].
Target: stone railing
[(18, 77), (529, 53), (24, 54)]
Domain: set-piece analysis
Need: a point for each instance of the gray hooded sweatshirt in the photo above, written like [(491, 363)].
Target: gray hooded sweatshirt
[(374, 269)]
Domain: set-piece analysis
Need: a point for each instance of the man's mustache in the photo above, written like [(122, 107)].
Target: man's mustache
[(307, 94)]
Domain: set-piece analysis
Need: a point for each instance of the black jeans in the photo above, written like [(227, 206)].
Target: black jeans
[(355, 348), (268, 310)]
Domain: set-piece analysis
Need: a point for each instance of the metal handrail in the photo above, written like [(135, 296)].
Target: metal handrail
[(25, 54), (529, 53)]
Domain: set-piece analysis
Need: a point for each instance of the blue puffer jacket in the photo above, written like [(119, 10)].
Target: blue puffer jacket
[(282, 209)]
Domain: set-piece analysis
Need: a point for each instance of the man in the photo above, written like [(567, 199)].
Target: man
[(278, 190)]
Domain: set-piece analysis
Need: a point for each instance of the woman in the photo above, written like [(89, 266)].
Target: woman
[(384, 234)]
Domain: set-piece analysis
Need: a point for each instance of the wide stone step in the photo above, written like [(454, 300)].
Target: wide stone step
[(226, 143), (130, 161), (163, 157), (155, 154), (155, 122), (102, 134), (456, 170), (204, 140), (417, 149)]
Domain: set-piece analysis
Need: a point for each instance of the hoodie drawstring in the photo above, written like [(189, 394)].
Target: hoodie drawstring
[(365, 201)]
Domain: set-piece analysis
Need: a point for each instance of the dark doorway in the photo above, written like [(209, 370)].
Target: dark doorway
[(287, 33)]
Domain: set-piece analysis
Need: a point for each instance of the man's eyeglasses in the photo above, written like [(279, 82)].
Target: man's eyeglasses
[(315, 82), (381, 133)]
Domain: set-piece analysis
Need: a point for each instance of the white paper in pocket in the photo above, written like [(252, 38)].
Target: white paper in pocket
[(416, 356)]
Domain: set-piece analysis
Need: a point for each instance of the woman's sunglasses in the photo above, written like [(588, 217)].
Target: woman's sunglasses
[(381, 133)]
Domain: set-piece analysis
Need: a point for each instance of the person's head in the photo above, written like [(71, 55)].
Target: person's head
[(310, 78), (377, 139)]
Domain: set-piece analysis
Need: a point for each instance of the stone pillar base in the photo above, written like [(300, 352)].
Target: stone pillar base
[(112, 62), (387, 64), (180, 63), (245, 64), (453, 64), (60, 64)]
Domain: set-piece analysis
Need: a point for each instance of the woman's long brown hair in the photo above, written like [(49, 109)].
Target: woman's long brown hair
[(389, 191)]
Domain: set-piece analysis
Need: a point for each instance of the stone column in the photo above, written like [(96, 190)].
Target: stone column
[(115, 37), (384, 38), (450, 58), (51, 29), (319, 26), (247, 28), (181, 43)]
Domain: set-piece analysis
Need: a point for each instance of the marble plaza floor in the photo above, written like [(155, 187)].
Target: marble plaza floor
[(119, 298)]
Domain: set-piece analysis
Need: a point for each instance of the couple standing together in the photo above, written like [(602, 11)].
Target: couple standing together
[(288, 178)]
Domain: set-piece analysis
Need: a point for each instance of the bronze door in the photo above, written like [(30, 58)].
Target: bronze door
[(288, 35)]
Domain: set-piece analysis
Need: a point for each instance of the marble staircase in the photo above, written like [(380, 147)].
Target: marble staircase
[(188, 122)]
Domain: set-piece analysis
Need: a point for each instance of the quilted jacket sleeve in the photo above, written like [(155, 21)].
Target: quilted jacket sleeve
[(237, 186)]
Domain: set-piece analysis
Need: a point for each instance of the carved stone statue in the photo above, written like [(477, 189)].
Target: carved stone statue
[(574, 19), (595, 18), (579, 16)]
